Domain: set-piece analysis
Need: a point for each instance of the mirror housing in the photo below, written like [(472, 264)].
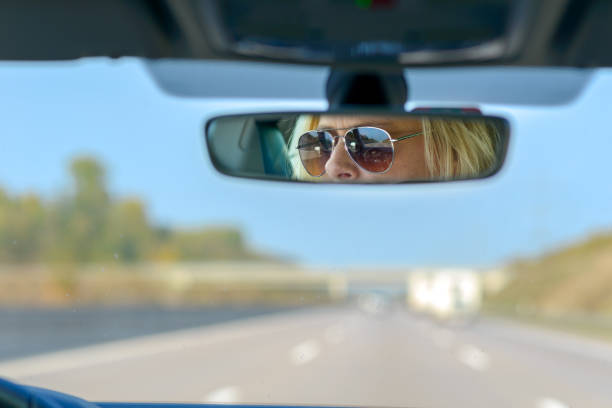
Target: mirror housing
[(348, 89), (426, 145)]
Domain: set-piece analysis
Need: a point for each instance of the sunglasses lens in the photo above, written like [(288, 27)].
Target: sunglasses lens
[(315, 150), (371, 148)]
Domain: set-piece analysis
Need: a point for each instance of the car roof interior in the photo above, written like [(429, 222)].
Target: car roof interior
[(494, 32)]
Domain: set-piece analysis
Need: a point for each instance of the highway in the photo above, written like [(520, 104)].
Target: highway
[(335, 356), (35, 330)]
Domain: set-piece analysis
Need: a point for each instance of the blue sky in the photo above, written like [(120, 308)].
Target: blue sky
[(553, 190)]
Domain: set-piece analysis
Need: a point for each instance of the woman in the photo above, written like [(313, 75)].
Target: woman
[(387, 149)]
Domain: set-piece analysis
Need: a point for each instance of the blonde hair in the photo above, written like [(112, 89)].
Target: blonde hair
[(303, 124), (454, 148)]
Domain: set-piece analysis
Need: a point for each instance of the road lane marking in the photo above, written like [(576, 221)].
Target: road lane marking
[(335, 334), (304, 352), (146, 346), (550, 403), (443, 338), (474, 357), (224, 395)]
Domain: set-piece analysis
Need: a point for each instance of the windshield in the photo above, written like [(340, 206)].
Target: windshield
[(131, 271)]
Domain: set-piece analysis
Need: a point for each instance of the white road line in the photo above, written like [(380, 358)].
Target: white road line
[(474, 357), (224, 395), (140, 347), (304, 352), (335, 334), (550, 403), (443, 338)]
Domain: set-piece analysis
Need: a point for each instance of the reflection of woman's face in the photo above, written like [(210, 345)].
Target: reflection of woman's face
[(408, 164)]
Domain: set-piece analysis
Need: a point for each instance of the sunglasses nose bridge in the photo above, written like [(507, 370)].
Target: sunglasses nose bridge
[(340, 165), (337, 137), (336, 140)]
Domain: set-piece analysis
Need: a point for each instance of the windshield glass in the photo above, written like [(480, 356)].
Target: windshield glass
[(131, 271)]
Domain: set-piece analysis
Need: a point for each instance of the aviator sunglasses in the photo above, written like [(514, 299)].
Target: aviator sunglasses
[(370, 148)]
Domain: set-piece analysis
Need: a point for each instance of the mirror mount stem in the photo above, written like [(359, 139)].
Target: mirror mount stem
[(350, 89)]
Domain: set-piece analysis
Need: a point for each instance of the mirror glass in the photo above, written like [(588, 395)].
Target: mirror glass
[(358, 148)]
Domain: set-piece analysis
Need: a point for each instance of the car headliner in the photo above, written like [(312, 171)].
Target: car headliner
[(556, 32)]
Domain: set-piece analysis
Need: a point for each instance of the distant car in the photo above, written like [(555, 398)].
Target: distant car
[(374, 303)]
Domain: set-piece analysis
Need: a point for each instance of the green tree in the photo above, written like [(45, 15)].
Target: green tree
[(211, 243), (129, 235), (22, 223), (80, 219), (87, 225)]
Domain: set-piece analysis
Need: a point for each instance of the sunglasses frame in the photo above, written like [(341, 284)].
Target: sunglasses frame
[(349, 129)]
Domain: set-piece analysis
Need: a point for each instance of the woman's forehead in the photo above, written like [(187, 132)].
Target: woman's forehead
[(345, 121)]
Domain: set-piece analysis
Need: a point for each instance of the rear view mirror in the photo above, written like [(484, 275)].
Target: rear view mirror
[(358, 148)]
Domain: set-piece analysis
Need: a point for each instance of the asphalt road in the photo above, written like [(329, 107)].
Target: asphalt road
[(26, 331), (336, 357)]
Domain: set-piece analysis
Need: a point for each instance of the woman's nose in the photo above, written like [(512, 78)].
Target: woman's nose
[(340, 167)]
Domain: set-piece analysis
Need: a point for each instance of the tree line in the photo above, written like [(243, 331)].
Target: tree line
[(89, 225)]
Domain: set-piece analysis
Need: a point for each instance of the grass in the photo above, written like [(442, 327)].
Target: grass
[(569, 289), (595, 327), (574, 280)]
